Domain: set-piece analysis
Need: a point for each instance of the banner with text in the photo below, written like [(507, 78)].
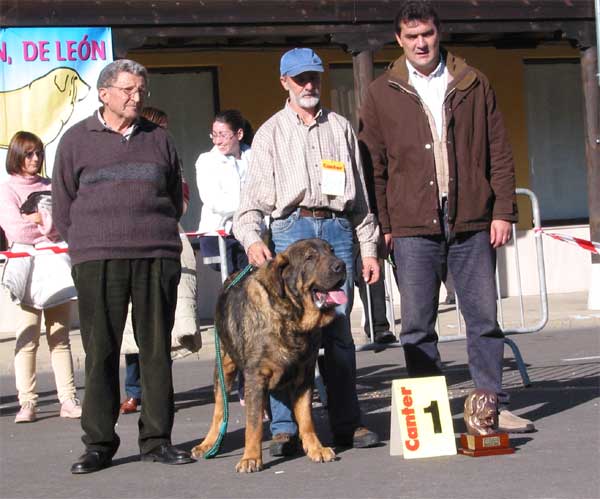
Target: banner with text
[(48, 82)]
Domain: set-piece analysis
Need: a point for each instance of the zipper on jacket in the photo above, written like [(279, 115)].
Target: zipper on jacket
[(397, 86), (447, 110)]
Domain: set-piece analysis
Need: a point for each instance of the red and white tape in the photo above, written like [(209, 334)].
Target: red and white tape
[(220, 232), (34, 251), (63, 248), (582, 243)]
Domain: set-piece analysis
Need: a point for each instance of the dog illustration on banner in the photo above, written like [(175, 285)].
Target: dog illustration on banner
[(43, 107)]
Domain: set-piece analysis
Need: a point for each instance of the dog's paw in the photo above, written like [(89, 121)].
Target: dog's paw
[(249, 466), (201, 449), (321, 454)]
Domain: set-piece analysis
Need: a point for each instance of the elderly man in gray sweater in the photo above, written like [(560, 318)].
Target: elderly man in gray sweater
[(117, 197)]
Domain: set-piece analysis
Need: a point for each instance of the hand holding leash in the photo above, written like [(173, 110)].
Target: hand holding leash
[(258, 253)]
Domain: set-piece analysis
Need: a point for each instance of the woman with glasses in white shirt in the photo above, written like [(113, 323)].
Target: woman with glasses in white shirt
[(220, 174)]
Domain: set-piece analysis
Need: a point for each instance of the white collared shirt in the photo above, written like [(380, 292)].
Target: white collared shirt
[(431, 90), (126, 134)]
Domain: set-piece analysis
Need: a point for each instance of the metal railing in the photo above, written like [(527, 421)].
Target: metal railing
[(543, 293)]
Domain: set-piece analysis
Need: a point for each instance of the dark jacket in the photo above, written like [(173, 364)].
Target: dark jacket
[(395, 138)]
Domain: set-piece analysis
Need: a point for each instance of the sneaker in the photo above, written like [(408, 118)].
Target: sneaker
[(283, 444), (70, 409), (510, 423), (362, 438), (26, 414)]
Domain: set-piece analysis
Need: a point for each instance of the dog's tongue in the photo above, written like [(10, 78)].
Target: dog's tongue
[(337, 297)]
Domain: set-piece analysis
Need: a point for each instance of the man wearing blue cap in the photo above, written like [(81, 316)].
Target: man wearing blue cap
[(306, 174)]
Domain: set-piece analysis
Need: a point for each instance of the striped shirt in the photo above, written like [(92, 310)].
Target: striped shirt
[(285, 173)]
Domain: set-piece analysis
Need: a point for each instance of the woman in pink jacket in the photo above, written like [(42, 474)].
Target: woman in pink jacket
[(24, 161)]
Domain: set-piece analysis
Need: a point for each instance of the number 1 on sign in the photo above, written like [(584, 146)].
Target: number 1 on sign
[(435, 416), (421, 418)]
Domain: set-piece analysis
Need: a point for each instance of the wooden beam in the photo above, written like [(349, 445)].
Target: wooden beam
[(268, 12), (362, 65), (354, 38), (589, 67)]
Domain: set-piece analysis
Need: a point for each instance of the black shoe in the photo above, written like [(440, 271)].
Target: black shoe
[(167, 454), (360, 439), (91, 461), (383, 337), (283, 444)]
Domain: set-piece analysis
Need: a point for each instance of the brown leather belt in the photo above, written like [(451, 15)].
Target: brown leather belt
[(320, 213)]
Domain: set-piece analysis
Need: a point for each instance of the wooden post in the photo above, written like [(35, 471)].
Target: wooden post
[(591, 110), (362, 64)]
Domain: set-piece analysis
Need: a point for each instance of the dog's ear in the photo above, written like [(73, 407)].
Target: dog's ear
[(276, 267)]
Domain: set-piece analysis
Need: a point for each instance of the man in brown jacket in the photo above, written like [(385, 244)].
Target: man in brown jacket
[(444, 184)]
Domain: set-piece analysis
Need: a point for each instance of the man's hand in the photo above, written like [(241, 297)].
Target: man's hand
[(370, 270), (388, 242), (36, 218), (500, 233), (258, 253)]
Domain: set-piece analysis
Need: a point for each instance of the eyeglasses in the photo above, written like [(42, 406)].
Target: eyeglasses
[(30, 154), (220, 135), (131, 91)]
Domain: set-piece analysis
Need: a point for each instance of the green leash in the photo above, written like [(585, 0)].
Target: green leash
[(212, 452)]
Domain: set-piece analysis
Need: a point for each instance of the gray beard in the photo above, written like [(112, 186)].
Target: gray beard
[(308, 102)]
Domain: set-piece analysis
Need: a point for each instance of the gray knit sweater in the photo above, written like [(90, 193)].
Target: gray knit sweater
[(115, 198)]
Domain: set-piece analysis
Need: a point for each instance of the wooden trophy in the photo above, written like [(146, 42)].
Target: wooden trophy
[(481, 418)]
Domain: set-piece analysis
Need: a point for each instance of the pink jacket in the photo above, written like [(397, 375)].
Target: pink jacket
[(13, 193)]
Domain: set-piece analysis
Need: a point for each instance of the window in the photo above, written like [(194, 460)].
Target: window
[(188, 96), (555, 129)]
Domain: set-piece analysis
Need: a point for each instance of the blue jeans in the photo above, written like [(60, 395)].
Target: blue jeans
[(133, 384), (340, 360), (421, 264)]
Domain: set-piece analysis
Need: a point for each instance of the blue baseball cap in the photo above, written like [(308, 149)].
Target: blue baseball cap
[(297, 61)]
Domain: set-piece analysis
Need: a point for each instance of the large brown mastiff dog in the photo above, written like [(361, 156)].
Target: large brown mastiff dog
[(269, 326)]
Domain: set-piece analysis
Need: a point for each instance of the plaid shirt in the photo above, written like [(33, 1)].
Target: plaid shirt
[(285, 173)]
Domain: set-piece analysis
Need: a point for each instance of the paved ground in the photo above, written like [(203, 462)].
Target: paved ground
[(560, 460)]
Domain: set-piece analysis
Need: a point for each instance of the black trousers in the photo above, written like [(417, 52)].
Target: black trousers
[(104, 289), (380, 322)]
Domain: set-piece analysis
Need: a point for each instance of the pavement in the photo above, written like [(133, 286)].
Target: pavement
[(560, 460)]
